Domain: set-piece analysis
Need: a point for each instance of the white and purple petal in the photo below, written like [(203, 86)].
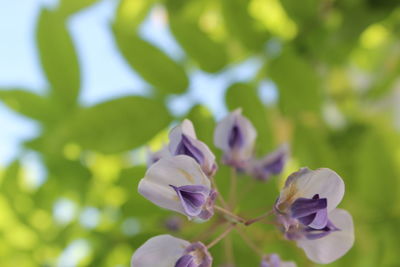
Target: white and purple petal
[(235, 136), (196, 255), (334, 245), (192, 197), (183, 141), (179, 184), (160, 251), (307, 183), (271, 164), (273, 260), (310, 212)]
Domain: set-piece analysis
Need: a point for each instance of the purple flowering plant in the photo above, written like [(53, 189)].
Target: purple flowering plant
[(181, 178)]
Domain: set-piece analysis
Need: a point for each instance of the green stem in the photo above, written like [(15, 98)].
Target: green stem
[(259, 218), (233, 189), (230, 214)]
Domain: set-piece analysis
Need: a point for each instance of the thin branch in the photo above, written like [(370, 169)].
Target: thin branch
[(259, 218), (230, 214), (233, 189), (230, 259)]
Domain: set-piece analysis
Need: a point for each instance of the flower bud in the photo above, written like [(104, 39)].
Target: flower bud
[(235, 136)]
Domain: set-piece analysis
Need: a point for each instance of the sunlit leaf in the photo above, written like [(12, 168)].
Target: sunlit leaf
[(311, 145), (298, 83), (304, 12), (375, 173), (209, 55), (58, 58), (27, 103), (151, 63), (117, 125), (130, 14), (241, 25), (69, 7)]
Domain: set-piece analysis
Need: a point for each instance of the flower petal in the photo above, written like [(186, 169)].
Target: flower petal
[(333, 246), (192, 197), (177, 171), (185, 261), (185, 127), (235, 135), (307, 183), (222, 131), (272, 164), (273, 260), (311, 212), (160, 251), (183, 141), (160, 195)]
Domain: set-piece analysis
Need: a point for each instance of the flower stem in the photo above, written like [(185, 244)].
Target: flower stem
[(230, 214), (221, 236), (233, 189), (259, 218), (228, 248)]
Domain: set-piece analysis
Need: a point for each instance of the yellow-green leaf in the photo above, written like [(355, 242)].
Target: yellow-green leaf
[(58, 58), (151, 63)]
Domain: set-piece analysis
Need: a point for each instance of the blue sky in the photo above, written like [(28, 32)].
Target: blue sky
[(105, 75)]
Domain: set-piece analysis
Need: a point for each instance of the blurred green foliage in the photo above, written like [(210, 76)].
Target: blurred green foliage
[(335, 64)]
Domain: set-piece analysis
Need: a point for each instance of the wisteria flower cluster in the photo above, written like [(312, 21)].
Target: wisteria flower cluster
[(180, 178)]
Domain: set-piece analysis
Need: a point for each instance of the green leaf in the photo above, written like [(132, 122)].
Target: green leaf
[(245, 96), (58, 57), (385, 80), (299, 86), (209, 55), (69, 7), (375, 174), (304, 11), (130, 14), (151, 63), (27, 103), (311, 145), (117, 125), (241, 25), (10, 180)]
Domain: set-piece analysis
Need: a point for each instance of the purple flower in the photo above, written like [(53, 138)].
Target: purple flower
[(271, 164), (183, 141), (306, 209), (273, 260), (179, 184), (235, 136), (168, 251)]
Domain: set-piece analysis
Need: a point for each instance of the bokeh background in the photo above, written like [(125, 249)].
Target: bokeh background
[(87, 86)]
